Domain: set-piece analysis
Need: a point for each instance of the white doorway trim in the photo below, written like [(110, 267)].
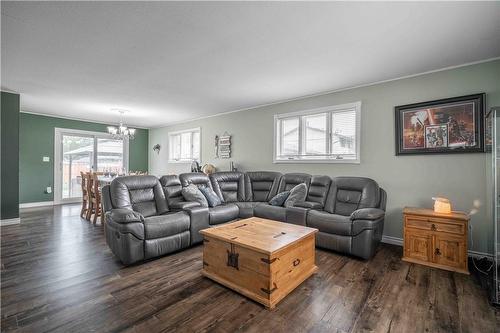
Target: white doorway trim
[(58, 150)]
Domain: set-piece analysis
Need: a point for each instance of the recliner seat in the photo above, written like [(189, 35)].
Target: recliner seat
[(139, 224), (353, 217)]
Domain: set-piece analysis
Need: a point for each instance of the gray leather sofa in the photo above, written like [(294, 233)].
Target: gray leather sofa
[(147, 217), (139, 224)]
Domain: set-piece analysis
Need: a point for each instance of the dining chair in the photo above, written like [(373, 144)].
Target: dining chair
[(95, 197), (85, 194)]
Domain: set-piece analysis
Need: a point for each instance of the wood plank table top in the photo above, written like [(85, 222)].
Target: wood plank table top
[(456, 215), (262, 235)]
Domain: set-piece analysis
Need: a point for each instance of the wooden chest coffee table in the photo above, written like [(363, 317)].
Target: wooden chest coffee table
[(259, 258)]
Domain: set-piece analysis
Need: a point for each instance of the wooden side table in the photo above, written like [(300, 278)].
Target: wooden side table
[(435, 239)]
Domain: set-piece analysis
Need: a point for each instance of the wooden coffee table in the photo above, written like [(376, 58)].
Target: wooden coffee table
[(262, 259)]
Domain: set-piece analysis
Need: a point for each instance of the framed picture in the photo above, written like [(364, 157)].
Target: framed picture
[(452, 125)]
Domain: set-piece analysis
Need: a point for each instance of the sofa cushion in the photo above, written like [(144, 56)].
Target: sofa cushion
[(223, 213), (329, 223), (193, 193), (181, 205), (197, 178), (246, 208), (348, 194), (261, 185), (212, 198), (309, 205), (229, 185), (318, 189), (166, 225), (290, 180), (270, 212), (172, 188), (297, 194), (142, 194), (279, 199)]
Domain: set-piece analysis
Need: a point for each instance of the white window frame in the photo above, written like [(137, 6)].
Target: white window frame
[(310, 158), (188, 160)]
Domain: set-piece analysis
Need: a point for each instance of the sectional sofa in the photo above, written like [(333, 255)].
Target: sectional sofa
[(147, 217)]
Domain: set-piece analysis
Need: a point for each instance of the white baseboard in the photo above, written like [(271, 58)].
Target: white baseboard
[(399, 241), (5, 222), (36, 204)]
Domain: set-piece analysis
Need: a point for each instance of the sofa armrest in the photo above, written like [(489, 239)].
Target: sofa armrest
[(367, 214), (296, 215), (359, 226), (124, 216), (309, 205), (183, 205), (199, 221)]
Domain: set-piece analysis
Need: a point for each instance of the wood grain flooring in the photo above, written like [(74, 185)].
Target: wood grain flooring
[(57, 274)]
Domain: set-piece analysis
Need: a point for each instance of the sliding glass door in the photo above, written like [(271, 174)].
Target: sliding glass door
[(77, 156), (83, 151)]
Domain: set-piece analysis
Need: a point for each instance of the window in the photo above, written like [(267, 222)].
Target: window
[(184, 146), (329, 134)]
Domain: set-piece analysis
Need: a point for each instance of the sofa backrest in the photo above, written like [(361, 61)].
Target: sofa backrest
[(197, 178), (348, 194), (318, 189), (142, 194), (290, 180), (229, 185), (172, 188), (383, 199), (261, 185)]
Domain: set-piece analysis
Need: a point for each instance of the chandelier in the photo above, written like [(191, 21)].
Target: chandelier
[(121, 132)]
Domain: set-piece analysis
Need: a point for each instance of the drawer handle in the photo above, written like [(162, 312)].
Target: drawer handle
[(437, 252), (296, 262), (433, 227)]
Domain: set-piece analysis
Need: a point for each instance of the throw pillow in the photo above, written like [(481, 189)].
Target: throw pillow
[(279, 199), (192, 193), (212, 198), (297, 194)]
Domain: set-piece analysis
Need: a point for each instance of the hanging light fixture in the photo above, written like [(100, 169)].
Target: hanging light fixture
[(122, 131)]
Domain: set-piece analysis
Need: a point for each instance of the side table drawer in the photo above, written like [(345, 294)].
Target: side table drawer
[(432, 224)]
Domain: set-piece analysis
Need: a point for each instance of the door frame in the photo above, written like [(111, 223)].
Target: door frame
[(58, 150)]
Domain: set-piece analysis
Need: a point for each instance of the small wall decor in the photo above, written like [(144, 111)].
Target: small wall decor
[(224, 145), (216, 146), (451, 125), (157, 148)]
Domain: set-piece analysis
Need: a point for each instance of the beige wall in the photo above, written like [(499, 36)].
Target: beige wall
[(408, 180)]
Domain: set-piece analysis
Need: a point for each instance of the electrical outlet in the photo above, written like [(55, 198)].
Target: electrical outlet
[(48, 190), (46, 159)]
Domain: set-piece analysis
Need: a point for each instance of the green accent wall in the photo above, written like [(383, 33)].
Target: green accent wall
[(37, 140), (9, 165)]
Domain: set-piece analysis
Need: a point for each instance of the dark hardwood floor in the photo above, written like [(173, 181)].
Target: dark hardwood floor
[(59, 275)]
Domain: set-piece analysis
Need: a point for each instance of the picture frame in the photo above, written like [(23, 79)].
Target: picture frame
[(445, 126)]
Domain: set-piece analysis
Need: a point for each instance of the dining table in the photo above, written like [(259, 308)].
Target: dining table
[(105, 180)]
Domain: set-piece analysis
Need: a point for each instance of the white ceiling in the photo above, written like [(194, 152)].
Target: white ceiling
[(169, 62)]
